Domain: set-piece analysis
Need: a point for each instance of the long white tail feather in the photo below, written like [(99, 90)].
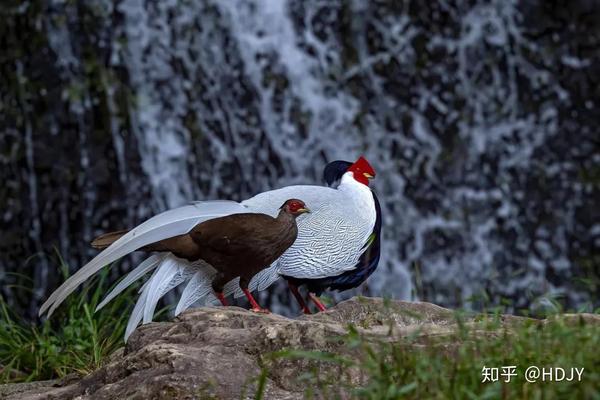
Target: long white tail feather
[(138, 309), (166, 272), (136, 315), (233, 287), (146, 266), (170, 223), (148, 298), (190, 289), (212, 300), (144, 286), (198, 287), (184, 274)]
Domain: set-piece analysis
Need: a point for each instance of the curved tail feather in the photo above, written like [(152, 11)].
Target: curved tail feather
[(164, 275), (147, 265), (170, 223), (176, 272), (170, 273), (198, 287), (136, 315)]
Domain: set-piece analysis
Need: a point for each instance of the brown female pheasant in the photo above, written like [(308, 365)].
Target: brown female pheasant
[(237, 245)]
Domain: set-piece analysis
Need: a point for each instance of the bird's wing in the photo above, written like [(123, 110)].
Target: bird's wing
[(170, 223), (231, 234), (330, 241)]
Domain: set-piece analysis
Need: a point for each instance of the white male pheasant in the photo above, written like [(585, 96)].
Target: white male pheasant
[(330, 242)]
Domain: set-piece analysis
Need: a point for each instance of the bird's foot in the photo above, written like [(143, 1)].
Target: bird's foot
[(255, 306), (261, 310), (317, 302), (298, 296), (221, 298)]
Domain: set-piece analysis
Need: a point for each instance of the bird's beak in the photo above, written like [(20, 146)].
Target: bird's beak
[(367, 175), (303, 210)]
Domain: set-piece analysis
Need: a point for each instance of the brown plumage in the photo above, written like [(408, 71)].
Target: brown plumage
[(237, 245), (106, 239)]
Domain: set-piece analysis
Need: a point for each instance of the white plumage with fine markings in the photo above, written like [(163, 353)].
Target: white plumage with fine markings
[(331, 237)]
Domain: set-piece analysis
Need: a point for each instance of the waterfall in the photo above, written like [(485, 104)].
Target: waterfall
[(482, 144)]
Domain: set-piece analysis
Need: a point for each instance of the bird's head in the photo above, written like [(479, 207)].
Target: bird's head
[(294, 207), (362, 171)]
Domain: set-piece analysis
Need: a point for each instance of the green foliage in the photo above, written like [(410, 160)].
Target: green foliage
[(450, 367), (73, 340)]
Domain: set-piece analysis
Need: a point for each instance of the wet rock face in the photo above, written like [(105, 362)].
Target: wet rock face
[(220, 351), (480, 118)]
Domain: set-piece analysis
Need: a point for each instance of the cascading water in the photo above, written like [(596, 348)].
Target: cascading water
[(483, 144)]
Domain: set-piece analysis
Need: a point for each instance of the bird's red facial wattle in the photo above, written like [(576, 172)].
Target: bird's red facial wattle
[(362, 171), (295, 207)]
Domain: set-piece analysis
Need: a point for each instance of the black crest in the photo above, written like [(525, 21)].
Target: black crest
[(334, 170)]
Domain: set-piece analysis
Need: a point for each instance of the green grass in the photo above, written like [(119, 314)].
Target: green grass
[(422, 367), (73, 340)]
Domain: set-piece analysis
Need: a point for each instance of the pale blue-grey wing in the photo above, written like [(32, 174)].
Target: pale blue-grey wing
[(330, 242)]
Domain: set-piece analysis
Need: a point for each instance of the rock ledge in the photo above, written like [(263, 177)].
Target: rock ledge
[(219, 351)]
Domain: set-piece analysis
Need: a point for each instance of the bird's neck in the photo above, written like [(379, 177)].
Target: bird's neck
[(284, 216), (353, 187), (359, 194)]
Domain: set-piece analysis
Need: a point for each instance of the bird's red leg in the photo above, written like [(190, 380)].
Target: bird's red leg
[(255, 306), (317, 302), (296, 293), (221, 298)]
